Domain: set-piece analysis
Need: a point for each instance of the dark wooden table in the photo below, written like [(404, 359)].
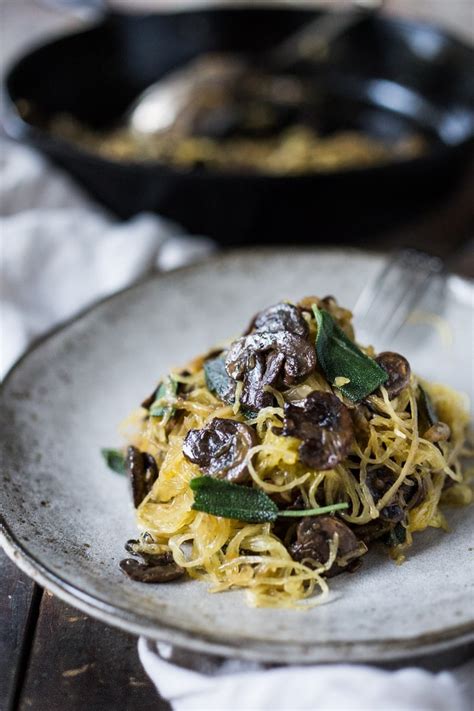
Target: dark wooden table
[(53, 657)]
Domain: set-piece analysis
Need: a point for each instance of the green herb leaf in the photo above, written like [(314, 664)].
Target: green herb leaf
[(166, 391), (222, 498), (221, 384), (218, 381), (427, 412), (115, 460), (338, 357)]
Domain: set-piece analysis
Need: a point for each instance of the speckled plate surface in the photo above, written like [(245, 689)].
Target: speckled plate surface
[(65, 517)]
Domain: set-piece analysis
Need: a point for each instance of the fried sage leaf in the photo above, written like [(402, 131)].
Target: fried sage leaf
[(218, 381), (164, 396), (426, 409), (115, 460), (221, 498), (339, 357), (243, 503), (221, 384)]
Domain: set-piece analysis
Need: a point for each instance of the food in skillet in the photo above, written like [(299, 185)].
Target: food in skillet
[(295, 150), (277, 461), (258, 123)]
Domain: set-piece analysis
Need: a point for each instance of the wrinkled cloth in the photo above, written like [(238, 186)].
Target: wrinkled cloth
[(229, 685), (60, 252)]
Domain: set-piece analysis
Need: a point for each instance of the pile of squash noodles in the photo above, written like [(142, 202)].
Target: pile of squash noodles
[(228, 553)]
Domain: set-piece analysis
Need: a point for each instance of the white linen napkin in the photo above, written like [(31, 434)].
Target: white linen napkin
[(229, 685), (59, 253)]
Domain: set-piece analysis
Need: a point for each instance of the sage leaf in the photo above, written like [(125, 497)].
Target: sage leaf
[(339, 357), (218, 380), (222, 498), (243, 503), (166, 391), (427, 413), (220, 383), (115, 460)]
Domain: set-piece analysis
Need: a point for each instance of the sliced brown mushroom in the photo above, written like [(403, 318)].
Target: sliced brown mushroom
[(448, 483), (361, 416), (154, 569), (379, 480), (415, 494), (398, 370), (263, 359), (313, 536), (324, 424), (254, 395), (143, 472), (373, 530), (439, 432), (133, 545), (280, 317), (286, 354), (409, 494), (220, 449)]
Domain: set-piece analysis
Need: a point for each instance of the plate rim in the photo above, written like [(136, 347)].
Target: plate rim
[(380, 651), (384, 651)]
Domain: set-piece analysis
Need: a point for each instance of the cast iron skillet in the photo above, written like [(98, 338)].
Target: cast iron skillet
[(386, 77)]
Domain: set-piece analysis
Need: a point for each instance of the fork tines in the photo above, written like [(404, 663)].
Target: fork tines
[(386, 303)]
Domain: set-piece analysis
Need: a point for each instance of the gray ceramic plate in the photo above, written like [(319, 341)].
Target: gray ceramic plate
[(65, 517)]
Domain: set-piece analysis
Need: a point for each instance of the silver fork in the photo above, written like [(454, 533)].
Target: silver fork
[(386, 303)]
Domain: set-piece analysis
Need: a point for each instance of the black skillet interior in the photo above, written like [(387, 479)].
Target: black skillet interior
[(385, 77)]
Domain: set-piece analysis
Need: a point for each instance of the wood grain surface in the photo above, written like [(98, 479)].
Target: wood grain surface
[(94, 667), (54, 658), (19, 604)]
